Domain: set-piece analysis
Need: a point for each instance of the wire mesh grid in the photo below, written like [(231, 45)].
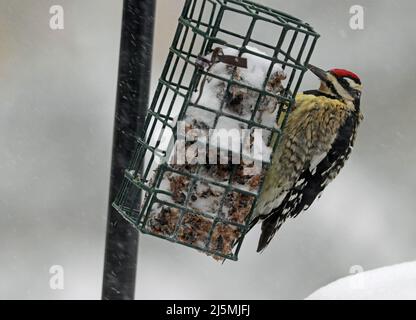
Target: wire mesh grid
[(205, 25)]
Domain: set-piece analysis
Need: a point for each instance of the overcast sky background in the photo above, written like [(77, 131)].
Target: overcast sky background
[(57, 95)]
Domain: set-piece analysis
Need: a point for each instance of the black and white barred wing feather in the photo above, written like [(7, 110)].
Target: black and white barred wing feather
[(318, 140)]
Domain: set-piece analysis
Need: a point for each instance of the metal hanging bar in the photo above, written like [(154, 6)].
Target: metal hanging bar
[(132, 99)]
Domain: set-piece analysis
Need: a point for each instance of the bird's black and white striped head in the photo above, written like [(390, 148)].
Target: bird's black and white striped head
[(340, 83)]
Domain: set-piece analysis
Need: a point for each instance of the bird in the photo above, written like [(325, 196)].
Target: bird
[(315, 144)]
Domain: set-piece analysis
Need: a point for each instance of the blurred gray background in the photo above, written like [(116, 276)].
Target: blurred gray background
[(57, 95)]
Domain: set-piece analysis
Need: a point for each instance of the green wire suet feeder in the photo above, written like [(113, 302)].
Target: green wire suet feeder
[(232, 65)]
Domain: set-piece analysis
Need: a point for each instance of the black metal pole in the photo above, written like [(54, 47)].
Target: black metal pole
[(120, 262)]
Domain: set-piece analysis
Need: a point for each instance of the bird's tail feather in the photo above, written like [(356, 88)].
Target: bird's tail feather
[(269, 228)]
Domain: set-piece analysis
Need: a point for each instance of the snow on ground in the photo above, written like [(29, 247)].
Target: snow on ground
[(389, 283)]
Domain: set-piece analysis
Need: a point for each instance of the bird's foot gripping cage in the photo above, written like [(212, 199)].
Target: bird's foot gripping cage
[(233, 70)]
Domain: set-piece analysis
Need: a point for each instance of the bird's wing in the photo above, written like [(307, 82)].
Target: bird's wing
[(320, 167)]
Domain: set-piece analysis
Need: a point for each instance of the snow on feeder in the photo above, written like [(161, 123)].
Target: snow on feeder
[(220, 106)]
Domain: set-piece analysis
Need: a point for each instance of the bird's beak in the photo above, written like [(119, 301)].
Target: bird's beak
[(321, 74)]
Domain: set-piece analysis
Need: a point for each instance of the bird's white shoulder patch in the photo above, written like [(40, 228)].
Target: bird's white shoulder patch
[(316, 160), (263, 209)]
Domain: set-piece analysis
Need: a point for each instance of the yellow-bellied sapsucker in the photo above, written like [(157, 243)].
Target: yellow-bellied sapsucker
[(317, 140)]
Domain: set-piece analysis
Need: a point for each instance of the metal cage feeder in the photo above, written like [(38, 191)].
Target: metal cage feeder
[(204, 27)]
